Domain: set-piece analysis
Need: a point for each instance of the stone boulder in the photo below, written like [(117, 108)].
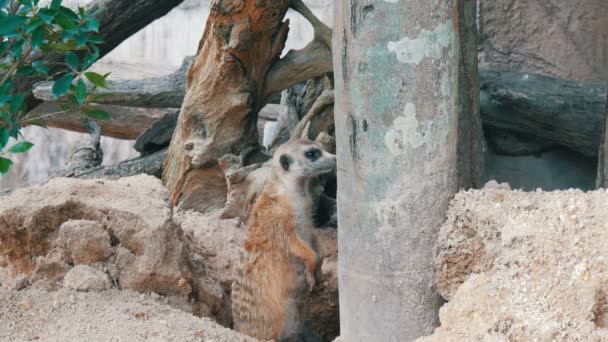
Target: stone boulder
[(524, 266), (84, 242), (86, 278), (126, 227)]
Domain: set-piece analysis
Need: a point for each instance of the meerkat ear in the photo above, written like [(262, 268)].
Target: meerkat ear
[(285, 162)]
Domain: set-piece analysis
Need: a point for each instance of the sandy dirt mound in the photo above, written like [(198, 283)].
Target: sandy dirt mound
[(122, 228), (64, 315), (94, 235), (533, 266)]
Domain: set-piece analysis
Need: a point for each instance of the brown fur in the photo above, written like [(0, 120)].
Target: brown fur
[(278, 253)]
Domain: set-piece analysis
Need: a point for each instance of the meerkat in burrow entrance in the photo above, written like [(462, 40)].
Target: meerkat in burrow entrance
[(279, 260)]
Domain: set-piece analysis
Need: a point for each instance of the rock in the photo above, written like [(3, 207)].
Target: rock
[(86, 278), (84, 242), (157, 136), (21, 282), (553, 37), (150, 252), (524, 266)]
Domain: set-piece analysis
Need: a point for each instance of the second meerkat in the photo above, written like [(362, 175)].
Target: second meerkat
[(279, 259)]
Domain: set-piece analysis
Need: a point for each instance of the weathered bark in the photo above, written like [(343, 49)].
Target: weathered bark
[(554, 111), (602, 172), (227, 86), (126, 123), (398, 77), (119, 20)]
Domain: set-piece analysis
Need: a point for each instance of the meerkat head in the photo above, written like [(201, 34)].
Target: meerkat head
[(303, 159)]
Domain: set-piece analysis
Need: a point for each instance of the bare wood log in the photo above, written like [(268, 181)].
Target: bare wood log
[(150, 164), (119, 20), (156, 92), (226, 88), (555, 111), (126, 123)]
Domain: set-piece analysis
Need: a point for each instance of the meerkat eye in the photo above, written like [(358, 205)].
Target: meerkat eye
[(313, 154), (285, 161)]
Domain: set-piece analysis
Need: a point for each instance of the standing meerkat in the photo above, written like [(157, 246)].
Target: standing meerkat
[(279, 260)]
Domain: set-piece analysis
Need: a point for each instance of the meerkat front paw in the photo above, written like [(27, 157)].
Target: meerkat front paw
[(310, 280)]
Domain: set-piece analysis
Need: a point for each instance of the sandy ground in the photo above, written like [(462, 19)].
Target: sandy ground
[(64, 315)]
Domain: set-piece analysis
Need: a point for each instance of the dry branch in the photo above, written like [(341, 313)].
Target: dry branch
[(118, 21), (126, 123), (300, 65), (325, 100)]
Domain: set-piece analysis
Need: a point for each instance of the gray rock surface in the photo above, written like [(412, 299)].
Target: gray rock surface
[(562, 38)]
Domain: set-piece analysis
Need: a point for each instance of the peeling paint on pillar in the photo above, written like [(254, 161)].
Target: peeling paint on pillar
[(427, 44)]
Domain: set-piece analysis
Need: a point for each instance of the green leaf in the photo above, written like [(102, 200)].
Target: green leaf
[(15, 131), (68, 13), (91, 25), (81, 40), (3, 137), (5, 164), (3, 47), (72, 60), (25, 71), (21, 147), (97, 114), (17, 48), (88, 60), (5, 89), (10, 24), (81, 91), (62, 85), (38, 37), (32, 25), (40, 67), (16, 102), (95, 39), (27, 3), (63, 47), (55, 4), (96, 79), (47, 15), (66, 24), (3, 3)]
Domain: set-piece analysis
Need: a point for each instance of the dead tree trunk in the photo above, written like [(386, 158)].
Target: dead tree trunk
[(602, 172), (235, 72), (400, 69)]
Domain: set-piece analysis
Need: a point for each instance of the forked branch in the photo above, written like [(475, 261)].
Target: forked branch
[(299, 65)]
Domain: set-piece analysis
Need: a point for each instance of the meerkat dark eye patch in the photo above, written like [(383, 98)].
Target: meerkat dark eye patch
[(313, 154), (285, 161)]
